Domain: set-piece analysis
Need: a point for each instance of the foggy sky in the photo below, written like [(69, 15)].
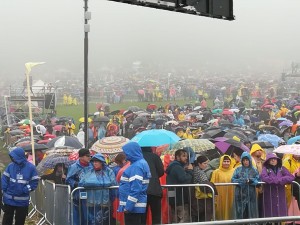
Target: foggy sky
[(264, 38)]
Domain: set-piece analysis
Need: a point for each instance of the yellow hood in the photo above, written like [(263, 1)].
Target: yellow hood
[(256, 147)]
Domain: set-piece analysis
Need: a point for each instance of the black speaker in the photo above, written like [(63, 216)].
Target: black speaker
[(50, 101)]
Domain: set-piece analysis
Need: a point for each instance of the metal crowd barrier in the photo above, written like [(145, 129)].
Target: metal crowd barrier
[(62, 204), (49, 201), (182, 206)]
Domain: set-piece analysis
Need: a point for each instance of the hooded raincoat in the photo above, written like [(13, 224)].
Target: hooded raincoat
[(99, 199), (18, 180), (134, 181), (245, 193), (224, 199), (103, 178), (258, 163), (275, 177)]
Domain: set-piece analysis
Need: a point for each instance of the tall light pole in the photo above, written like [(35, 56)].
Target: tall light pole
[(28, 67), (87, 17)]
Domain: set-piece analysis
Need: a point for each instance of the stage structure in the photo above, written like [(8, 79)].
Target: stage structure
[(43, 103)]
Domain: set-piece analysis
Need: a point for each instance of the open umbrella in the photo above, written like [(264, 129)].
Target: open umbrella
[(28, 148), (287, 123), (239, 134), (51, 161), (134, 108), (151, 106), (65, 141), (109, 145), (227, 112), (213, 133), (114, 112), (293, 140), (27, 122), (197, 108), (198, 145), (288, 149), (58, 127), (101, 119), (273, 139), (173, 122), (63, 151), (155, 137)]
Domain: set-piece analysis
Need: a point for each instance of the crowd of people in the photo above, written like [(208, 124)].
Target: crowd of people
[(244, 140)]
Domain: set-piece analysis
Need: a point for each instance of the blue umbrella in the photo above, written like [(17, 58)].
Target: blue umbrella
[(155, 137), (293, 140), (272, 138)]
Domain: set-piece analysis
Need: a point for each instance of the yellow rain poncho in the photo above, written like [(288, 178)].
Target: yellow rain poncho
[(258, 163), (224, 199), (292, 165)]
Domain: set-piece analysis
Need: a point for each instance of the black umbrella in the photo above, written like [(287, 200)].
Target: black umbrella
[(140, 121), (114, 112), (28, 148), (65, 141), (160, 121), (134, 108), (239, 134), (213, 133)]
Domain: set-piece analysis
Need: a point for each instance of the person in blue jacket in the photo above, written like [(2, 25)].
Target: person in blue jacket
[(18, 180), (247, 178), (98, 200), (75, 172), (133, 185)]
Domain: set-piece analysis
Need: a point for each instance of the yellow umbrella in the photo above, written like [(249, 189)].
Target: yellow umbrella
[(81, 120)]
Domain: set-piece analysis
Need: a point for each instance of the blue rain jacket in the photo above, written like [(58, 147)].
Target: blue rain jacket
[(245, 192), (75, 173), (134, 181), (103, 178), (19, 179)]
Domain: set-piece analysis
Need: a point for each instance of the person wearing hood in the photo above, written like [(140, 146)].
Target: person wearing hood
[(247, 178), (154, 191), (133, 185), (18, 180), (58, 176), (258, 155), (276, 177), (75, 172), (180, 172), (224, 199), (98, 200)]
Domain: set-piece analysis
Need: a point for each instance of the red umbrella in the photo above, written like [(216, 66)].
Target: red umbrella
[(268, 106), (151, 106), (50, 136), (227, 112), (57, 127), (297, 107)]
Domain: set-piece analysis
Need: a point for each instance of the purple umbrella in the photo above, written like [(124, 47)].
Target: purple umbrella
[(287, 123)]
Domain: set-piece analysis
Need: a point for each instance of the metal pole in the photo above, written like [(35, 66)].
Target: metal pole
[(30, 117), (86, 140)]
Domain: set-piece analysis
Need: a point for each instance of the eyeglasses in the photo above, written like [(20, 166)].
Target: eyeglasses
[(88, 156)]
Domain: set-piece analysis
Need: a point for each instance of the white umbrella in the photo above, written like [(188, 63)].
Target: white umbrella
[(288, 149)]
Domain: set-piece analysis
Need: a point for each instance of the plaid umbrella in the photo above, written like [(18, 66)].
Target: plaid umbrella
[(197, 145), (51, 161)]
